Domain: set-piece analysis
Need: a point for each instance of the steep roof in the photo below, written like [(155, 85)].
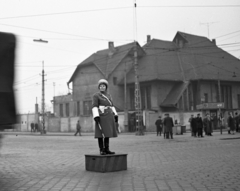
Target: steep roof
[(187, 57), (108, 59)]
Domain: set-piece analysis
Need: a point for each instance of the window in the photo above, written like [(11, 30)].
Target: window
[(206, 98), (78, 108), (67, 109), (226, 95), (238, 98), (146, 97), (87, 107), (61, 110)]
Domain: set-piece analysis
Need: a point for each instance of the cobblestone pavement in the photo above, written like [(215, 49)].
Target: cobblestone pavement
[(183, 164)]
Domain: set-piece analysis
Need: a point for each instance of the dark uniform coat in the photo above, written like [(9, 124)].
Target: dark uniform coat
[(168, 124), (207, 126), (159, 124), (107, 120), (231, 123)]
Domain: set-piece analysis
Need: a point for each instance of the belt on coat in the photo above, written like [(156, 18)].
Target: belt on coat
[(103, 108)]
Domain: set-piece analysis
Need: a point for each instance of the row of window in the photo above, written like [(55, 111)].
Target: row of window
[(226, 97), (87, 109)]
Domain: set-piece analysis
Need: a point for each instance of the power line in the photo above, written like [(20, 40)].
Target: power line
[(118, 8), (55, 32), (62, 13)]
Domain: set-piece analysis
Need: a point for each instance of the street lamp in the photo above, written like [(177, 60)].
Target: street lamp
[(40, 40)]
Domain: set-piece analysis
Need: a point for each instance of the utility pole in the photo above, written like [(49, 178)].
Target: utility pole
[(125, 98), (137, 95), (207, 24), (219, 100), (43, 100), (139, 116)]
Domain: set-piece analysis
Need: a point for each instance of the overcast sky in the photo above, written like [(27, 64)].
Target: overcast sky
[(75, 29)]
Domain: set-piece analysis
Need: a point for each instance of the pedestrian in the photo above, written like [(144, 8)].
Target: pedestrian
[(105, 116), (194, 126), (199, 125), (168, 125), (78, 129), (231, 124), (32, 127), (36, 127), (207, 125), (237, 121), (159, 124), (190, 121)]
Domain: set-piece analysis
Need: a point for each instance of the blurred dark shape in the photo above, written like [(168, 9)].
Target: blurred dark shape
[(7, 99)]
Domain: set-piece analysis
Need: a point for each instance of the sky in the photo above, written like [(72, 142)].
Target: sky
[(75, 29)]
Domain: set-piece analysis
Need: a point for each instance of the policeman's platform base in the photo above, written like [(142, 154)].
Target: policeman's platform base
[(106, 163)]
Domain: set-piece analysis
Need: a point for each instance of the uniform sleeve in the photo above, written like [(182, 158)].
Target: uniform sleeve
[(95, 106)]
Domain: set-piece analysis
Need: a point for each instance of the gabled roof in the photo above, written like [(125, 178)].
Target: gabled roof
[(107, 60), (198, 58)]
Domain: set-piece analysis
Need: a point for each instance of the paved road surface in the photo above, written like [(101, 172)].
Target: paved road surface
[(183, 164)]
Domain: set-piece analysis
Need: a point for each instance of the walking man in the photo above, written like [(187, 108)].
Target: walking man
[(199, 125), (168, 125), (159, 124), (190, 121), (78, 129), (32, 127)]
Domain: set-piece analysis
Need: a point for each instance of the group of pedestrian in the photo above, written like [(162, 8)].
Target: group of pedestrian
[(165, 126), (198, 125), (34, 127)]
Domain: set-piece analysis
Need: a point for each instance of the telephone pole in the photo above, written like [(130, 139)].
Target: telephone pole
[(43, 100), (137, 95), (139, 117)]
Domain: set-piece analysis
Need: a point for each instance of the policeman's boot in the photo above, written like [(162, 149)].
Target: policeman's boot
[(171, 134), (106, 143), (100, 144)]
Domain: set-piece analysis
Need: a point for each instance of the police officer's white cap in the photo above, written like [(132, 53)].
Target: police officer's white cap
[(102, 81)]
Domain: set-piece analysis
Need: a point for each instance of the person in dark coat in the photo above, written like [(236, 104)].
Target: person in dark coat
[(190, 121), (231, 123), (168, 125), (237, 121), (105, 116), (159, 124), (199, 125), (194, 127), (207, 125), (78, 129), (32, 127), (36, 127)]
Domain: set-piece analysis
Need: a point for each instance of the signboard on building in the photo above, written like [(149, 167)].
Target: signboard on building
[(215, 105)]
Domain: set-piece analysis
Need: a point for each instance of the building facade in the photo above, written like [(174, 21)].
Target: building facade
[(188, 75)]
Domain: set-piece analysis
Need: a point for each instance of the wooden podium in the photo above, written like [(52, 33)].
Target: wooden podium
[(106, 163)]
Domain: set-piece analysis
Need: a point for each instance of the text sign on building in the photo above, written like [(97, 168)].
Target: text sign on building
[(210, 105)]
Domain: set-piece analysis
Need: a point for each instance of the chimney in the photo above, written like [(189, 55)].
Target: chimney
[(111, 48), (148, 38), (111, 45), (214, 41)]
